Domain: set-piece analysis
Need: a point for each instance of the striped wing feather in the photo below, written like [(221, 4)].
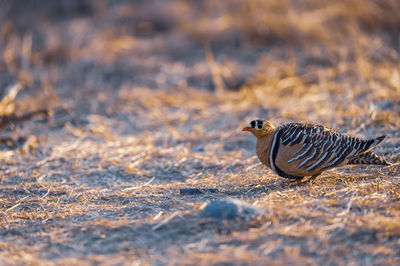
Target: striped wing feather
[(368, 158), (311, 149)]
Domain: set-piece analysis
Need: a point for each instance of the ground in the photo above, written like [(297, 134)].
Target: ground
[(114, 112)]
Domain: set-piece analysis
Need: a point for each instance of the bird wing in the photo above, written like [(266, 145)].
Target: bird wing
[(321, 147), (368, 157)]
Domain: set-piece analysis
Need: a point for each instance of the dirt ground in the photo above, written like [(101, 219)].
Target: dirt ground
[(121, 131)]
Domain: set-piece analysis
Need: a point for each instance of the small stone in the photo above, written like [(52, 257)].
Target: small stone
[(229, 209)]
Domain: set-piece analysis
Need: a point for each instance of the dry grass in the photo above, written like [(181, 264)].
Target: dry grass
[(149, 97)]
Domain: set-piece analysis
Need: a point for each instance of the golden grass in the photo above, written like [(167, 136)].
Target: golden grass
[(141, 109)]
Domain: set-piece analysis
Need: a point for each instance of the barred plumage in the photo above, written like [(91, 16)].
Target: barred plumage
[(368, 158), (296, 150)]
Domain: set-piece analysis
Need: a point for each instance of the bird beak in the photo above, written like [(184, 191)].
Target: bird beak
[(246, 129)]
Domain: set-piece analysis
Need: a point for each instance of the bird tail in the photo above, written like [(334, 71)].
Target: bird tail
[(377, 140), (369, 144), (368, 158)]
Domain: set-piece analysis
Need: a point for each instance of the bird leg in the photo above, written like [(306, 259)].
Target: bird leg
[(312, 178)]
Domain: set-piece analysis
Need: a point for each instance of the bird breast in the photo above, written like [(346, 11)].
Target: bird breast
[(263, 149)]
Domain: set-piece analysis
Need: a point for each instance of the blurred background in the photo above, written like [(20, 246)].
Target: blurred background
[(331, 62)]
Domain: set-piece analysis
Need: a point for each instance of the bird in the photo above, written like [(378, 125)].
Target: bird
[(298, 150)]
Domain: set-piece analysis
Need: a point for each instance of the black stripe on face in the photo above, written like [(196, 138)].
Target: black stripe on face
[(274, 151), (253, 124)]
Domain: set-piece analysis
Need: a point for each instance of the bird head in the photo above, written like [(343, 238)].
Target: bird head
[(260, 128)]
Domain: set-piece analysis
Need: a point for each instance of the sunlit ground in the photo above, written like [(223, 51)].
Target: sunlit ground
[(145, 98)]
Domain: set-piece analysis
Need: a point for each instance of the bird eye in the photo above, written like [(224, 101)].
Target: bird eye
[(259, 126)]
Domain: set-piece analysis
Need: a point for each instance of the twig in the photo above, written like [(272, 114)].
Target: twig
[(336, 191), (253, 166), (47, 193), (350, 203), (347, 207), (10, 119), (137, 187), (158, 215), (19, 203), (13, 207), (166, 220), (248, 191)]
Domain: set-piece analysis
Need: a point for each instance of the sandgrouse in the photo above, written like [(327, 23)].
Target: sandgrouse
[(296, 150)]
